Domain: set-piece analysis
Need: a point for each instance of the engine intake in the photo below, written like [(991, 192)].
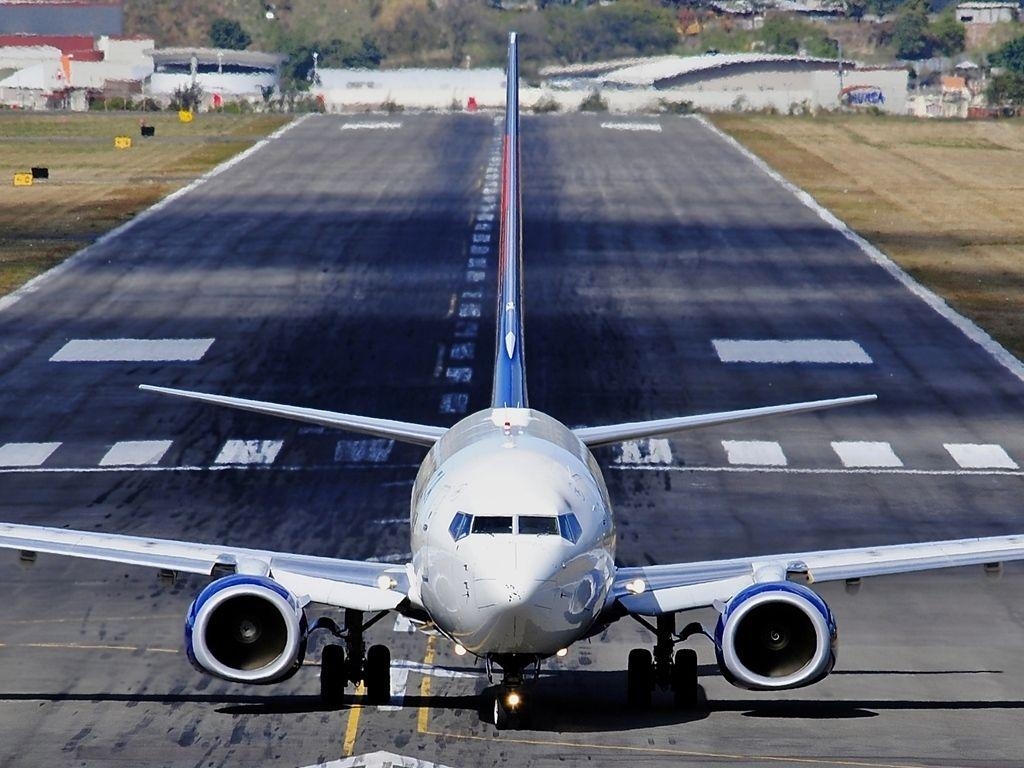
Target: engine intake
[(247, 629), (776, 636)]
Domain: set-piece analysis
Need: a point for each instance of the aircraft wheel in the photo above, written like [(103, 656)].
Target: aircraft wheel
[(333, 674), (639, 678), (378, 674), (503, 716), (684, 678)]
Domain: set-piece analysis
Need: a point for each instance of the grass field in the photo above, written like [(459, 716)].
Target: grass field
[(93, 187), (944, 199)]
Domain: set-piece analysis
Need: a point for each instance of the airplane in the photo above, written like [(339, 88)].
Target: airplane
[(513, 550)]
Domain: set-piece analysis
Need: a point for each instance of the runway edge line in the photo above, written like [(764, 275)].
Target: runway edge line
[(968, 327)]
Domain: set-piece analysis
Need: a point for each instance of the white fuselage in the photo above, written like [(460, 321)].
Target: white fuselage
[(513, 539)]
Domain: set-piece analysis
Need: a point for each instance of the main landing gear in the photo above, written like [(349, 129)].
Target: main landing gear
[(678, 673), (353, 662)]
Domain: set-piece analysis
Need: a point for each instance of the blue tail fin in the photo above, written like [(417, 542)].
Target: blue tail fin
[(509, 364)]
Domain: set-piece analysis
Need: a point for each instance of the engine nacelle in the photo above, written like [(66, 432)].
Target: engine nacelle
[(247, 629), (776, 636)]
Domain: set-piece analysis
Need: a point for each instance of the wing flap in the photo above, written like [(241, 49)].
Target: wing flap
[(636, 430), (682, 586), (403, 431)]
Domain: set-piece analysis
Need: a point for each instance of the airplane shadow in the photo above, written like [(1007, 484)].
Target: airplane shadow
[(566, 701)]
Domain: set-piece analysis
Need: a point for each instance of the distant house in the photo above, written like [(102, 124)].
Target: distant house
[(987, 12)]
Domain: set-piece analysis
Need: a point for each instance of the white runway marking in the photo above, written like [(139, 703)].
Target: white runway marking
[(249, 452), (486, 217), (763, 453), (132, 350), (790, 351), (466, 329), (376, 126), (475, 276), (653, 127), (866, 454), (459, 375), (454, 402), (473, 294), (403, 624), (477, 263), (372, 451), (26, 454), (399, 682), (470, 309), (479, 250), (653, 451), (482, 237), (484, 226), (135, 453), (463, 351), (974, 456)]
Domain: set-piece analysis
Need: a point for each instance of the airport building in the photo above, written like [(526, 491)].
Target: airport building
[(224, 75), (736, 81), (354, 89)]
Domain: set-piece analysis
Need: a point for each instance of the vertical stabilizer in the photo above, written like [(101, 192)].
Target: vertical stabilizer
[(509, 364)]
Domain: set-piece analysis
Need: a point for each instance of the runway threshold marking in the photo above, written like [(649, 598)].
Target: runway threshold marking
[(765, 453), (352, 727), (13, 455), (423, 716), (672, 752), (134, 453)]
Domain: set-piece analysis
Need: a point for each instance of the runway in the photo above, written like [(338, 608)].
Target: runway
[(351, 268)]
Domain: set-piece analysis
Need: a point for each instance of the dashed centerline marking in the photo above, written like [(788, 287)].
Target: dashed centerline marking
[(379, 125), (764, 453), (653, 451), (26, 454), (866, 454), (845, 352), (975, 456), (249, 452), (129, 453), (132, 350), (653, 127)]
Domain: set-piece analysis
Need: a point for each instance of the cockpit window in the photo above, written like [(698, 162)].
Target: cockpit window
[(492, 525), (459, 528), (535, 524), (569, 527)]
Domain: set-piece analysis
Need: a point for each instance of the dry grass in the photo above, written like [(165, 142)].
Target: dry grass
[(944, 199), (93, 187)]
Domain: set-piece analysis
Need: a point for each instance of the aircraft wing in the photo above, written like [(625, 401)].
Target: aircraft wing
[(356, 584), (668, 588), (635, 430), (403, 431)]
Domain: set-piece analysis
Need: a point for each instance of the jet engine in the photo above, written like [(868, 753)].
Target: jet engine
[(776, 636), (247, 629)]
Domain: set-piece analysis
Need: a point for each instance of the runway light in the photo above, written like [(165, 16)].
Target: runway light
[(459, 650), (636, 586), (513, 700), (561, 652)]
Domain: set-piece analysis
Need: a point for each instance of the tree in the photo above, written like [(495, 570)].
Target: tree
[(948, 35), (1007, 88), (910, 34), (782, 33), (625, 28), (1010, 56), (227, 33)]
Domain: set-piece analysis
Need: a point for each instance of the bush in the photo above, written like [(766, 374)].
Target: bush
[(594, 103), (667, 107), (545, 104)]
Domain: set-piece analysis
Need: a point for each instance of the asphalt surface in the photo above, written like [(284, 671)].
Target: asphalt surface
[(334, 268)]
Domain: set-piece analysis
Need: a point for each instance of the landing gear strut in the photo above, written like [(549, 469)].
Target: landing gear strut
[(645, 672), (507, 705), (352, 662)]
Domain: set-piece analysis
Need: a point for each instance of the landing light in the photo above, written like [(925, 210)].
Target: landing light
[(513, 700), (459, 650), (636, 586), (386, 582), (561, 652)]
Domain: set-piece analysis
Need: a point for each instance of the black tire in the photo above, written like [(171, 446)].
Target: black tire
[(684, 678), (639, 678), (500, 715), (378, 674), (333, 674)]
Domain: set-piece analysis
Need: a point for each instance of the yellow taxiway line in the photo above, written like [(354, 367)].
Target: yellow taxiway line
[(352, 727), (424, 714)]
